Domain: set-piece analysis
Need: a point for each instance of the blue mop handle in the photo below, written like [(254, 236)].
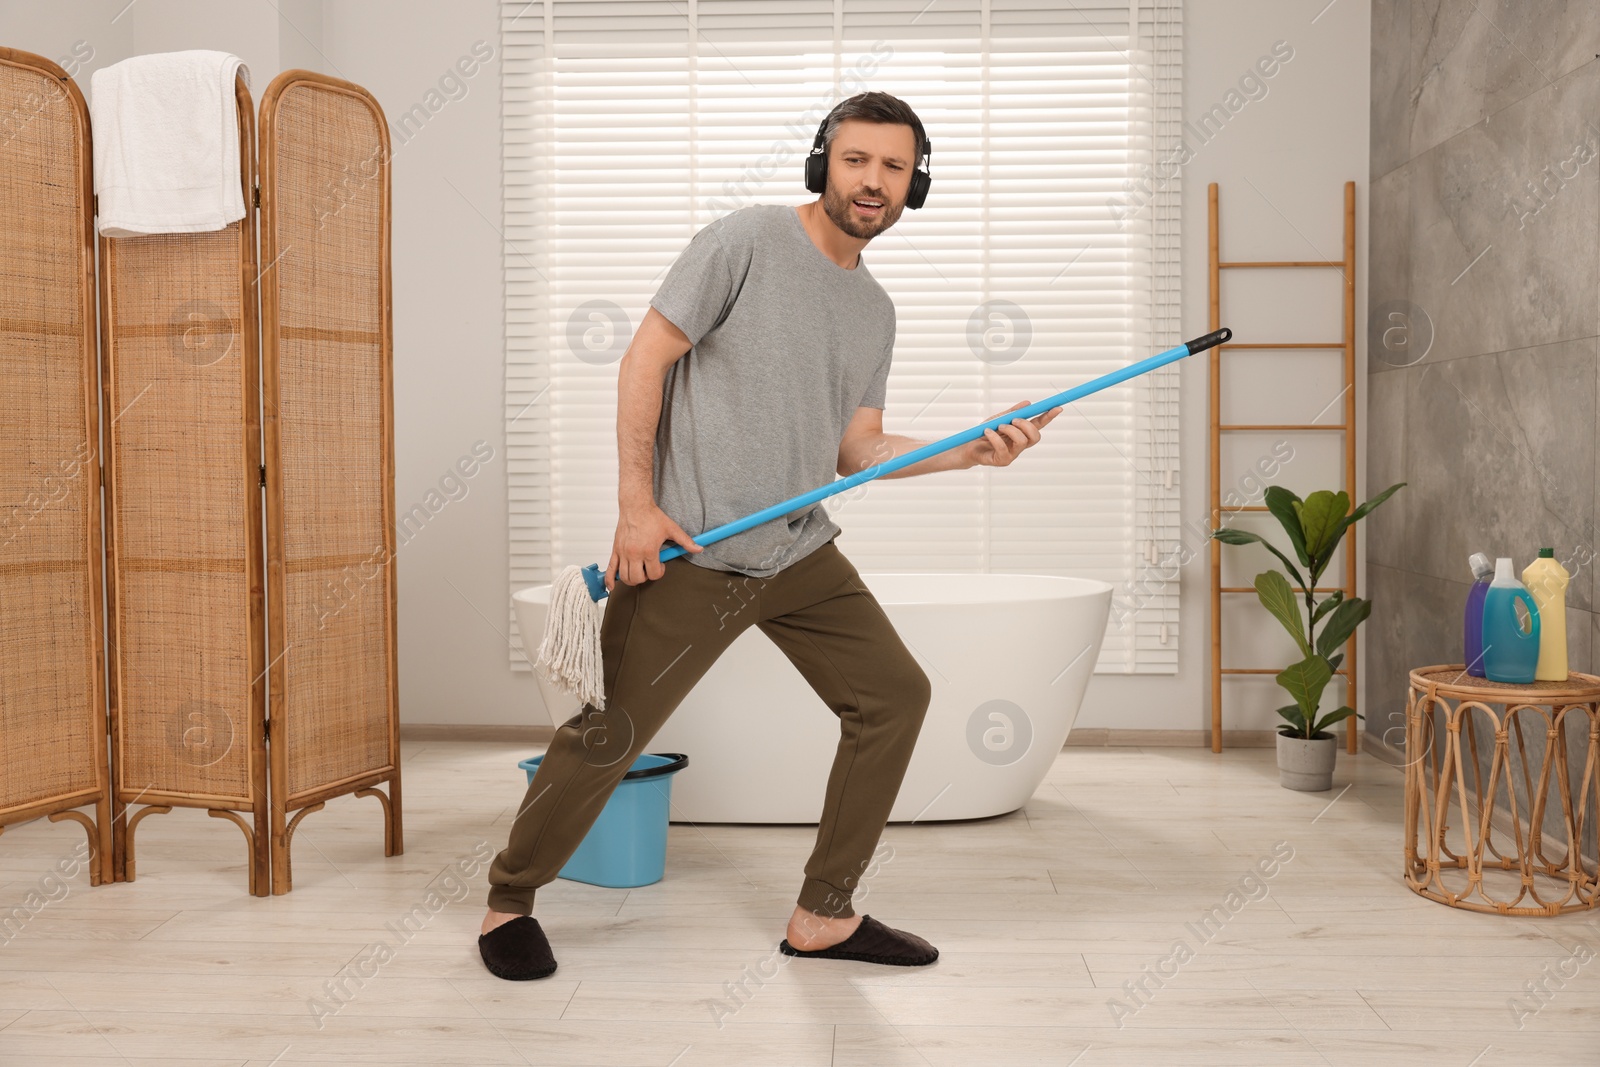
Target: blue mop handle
[(596, 582)]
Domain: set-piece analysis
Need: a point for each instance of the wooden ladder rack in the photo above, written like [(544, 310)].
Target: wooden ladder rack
[(1347, 266)]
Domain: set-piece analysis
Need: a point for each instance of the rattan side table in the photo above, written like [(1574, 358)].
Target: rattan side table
[(1522, 877)]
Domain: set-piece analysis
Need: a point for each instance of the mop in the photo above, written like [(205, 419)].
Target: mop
[(569, 654)]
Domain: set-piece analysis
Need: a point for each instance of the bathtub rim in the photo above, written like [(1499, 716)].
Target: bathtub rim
[(1087, 588)]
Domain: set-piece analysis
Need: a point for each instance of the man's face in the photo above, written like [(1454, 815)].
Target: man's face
[(868, 163)]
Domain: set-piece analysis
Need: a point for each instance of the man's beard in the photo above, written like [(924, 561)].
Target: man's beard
[(839, 208)]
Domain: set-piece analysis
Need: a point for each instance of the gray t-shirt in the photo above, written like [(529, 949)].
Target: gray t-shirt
[(786, 345)]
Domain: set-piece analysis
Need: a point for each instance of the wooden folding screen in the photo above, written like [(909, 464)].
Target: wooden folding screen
[(186, 593), (327, 355), (192, 574), (52, 718)]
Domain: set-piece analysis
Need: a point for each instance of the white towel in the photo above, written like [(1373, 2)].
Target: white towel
[(166, 143)]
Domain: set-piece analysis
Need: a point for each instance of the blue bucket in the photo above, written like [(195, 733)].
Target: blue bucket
[(627, 845)]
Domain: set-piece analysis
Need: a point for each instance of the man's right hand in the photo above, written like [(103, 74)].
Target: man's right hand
[(636, 549)]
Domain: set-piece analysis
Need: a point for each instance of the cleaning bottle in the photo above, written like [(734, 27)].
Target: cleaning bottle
[(1472, 642), (1509, 654), (1547, 580)]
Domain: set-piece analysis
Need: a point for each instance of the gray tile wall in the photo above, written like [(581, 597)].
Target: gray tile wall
[(1484, 280)]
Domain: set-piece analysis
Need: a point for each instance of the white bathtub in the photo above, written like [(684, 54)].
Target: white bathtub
[(1009, 657)]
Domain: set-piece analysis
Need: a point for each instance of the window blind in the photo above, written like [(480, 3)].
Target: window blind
[(1046, 256)]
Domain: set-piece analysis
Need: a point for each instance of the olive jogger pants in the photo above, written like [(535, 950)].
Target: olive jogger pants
[(658, 638)]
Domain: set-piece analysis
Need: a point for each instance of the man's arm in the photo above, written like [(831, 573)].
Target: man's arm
[(642, 526), (655, 347), (865, 444)]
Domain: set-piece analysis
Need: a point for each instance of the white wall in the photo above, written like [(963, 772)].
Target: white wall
[(51, 30), (117, 29), (1297, 145), (449, 365), (1280, 163)]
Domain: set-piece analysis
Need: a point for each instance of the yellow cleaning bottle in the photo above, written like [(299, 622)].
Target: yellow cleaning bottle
[(1547, 580)]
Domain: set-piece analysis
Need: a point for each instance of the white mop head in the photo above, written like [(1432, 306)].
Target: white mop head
[(569, 655)]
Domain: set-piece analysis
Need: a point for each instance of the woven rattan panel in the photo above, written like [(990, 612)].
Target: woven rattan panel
[(326, 366), (182, 401), (51, 698)]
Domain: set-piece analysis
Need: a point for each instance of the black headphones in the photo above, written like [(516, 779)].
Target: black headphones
[(817, 169)]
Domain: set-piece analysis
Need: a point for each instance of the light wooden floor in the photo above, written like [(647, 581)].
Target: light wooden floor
[(1041, 916)]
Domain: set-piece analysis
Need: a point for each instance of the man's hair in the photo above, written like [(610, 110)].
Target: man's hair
[(874, 106)]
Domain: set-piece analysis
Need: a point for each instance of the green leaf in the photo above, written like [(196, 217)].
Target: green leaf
[(1334, 661), (1366, 509), (1327, 605), (1341, 624), (1295, 716), (1281, 502), (1363, 510), (1320, 515), (1229, 536), (1305, 681), (1333, 717), (1273, 590)]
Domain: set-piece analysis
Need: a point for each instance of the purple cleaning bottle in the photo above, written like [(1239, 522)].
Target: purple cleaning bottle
[(1472, 644)]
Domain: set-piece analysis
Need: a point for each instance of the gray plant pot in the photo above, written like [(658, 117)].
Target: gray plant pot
[(1307, 765)]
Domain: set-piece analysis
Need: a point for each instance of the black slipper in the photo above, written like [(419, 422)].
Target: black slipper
[(517, 950), (873, 942)]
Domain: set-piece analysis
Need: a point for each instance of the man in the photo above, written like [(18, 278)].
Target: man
[(788, 340)]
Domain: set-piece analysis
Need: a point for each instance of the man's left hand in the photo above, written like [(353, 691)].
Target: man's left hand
[(998, 449)]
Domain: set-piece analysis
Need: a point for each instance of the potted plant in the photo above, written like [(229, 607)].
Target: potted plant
[(1315, 527)]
